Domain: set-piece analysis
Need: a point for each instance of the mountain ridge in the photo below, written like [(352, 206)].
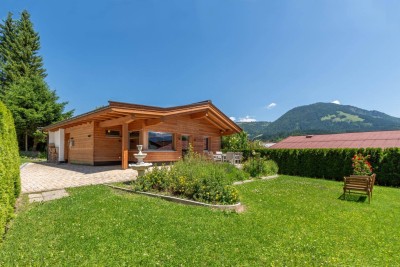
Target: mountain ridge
[(321, 118)]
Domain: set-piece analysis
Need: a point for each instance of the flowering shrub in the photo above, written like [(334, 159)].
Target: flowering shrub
[(258, 166), (194, 177), (361, 165)]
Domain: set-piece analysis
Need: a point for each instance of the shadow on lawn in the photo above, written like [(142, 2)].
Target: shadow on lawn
[(353, 197)]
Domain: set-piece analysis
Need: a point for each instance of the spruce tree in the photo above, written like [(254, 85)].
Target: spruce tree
[(22, 84), (33, 105), (29, 63), (8, 54), (19, 46)]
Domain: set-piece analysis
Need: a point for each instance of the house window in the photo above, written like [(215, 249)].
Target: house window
[(161, 141), (133, 140), (206, 143), (113, 133)]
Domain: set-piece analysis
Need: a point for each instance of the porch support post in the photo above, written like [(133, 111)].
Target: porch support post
[(125, 135)]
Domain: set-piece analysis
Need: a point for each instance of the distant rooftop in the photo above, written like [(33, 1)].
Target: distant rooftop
[(382, 139)]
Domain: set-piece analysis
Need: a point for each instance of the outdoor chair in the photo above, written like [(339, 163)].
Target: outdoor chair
[(217, 158), (238, 157), (230, 157)]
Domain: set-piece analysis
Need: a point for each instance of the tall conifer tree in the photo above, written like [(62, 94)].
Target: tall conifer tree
[(29, 63), (22, 74), (8, 51)]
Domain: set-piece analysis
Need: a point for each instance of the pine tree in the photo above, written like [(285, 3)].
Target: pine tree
[(19, 46), (8, 50), (29, 63), (22, 85)]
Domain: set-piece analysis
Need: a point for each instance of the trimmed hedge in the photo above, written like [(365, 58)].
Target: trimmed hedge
[(334, 164), (10, 184)]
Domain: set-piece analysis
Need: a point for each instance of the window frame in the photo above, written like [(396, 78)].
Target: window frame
[(206, 143), (108, 135), (173, 145)]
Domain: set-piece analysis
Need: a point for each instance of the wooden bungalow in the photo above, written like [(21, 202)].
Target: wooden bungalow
[(109, 135)]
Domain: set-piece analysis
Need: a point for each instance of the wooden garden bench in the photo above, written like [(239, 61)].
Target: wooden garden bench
[(359, 183)]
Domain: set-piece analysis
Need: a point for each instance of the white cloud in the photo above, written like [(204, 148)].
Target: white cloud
[(271, 106), (337, 102), (247, 119), (232, 118)]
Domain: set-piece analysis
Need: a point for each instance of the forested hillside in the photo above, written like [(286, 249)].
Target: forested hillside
[(322, 118)]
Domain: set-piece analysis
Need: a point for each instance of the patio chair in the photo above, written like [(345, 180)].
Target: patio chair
[(238, 157), (217, 157), (230, 157)]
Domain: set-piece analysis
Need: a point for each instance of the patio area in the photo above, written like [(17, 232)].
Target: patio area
[(41, 177)]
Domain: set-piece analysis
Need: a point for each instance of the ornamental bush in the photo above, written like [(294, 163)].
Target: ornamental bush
[(334, 164), (10, 185), (194, 177), (258, 166)]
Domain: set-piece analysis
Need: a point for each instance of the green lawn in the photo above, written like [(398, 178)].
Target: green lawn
[(25, 160), (288, 221)]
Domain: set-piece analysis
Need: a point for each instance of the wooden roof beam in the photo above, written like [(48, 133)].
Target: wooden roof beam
[(150, 122), (215, 124), (222, 123), (199, 115), (119, 121)]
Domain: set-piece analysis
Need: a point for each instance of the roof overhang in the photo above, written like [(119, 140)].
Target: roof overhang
[(118, 113)]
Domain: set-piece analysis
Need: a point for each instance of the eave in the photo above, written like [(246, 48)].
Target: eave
[(117, 113)]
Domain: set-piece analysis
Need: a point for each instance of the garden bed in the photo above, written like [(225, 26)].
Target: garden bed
[(238, 207)]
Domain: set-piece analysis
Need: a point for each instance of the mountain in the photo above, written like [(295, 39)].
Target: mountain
[(323, 118), (255, 128)]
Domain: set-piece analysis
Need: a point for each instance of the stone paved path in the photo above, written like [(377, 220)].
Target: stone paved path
[(256, 179), (49, 195), (42, 177)]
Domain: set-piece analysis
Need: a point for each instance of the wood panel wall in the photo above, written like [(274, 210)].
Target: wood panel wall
[(107, 148), (91, 145), (196, 129), (83, 138)]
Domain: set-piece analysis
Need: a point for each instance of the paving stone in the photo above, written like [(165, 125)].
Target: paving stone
[(31, 200), (35, 195), (44, 177)]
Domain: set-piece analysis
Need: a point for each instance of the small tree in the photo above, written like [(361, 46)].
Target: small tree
[(236, 141)]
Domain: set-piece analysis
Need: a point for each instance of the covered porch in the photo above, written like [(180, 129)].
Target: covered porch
[(110, 134)]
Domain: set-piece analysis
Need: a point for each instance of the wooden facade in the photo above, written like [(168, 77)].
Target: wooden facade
[(104, 137)]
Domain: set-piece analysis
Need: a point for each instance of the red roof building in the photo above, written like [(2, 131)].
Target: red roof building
[(383, 139)]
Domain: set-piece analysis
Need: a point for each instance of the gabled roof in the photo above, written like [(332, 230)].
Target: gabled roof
[(118, 111), (382, 139)]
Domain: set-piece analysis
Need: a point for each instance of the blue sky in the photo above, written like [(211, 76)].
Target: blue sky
[(253, 59)]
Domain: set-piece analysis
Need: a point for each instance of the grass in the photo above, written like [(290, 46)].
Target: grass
[(288, 221), (26, 160)]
